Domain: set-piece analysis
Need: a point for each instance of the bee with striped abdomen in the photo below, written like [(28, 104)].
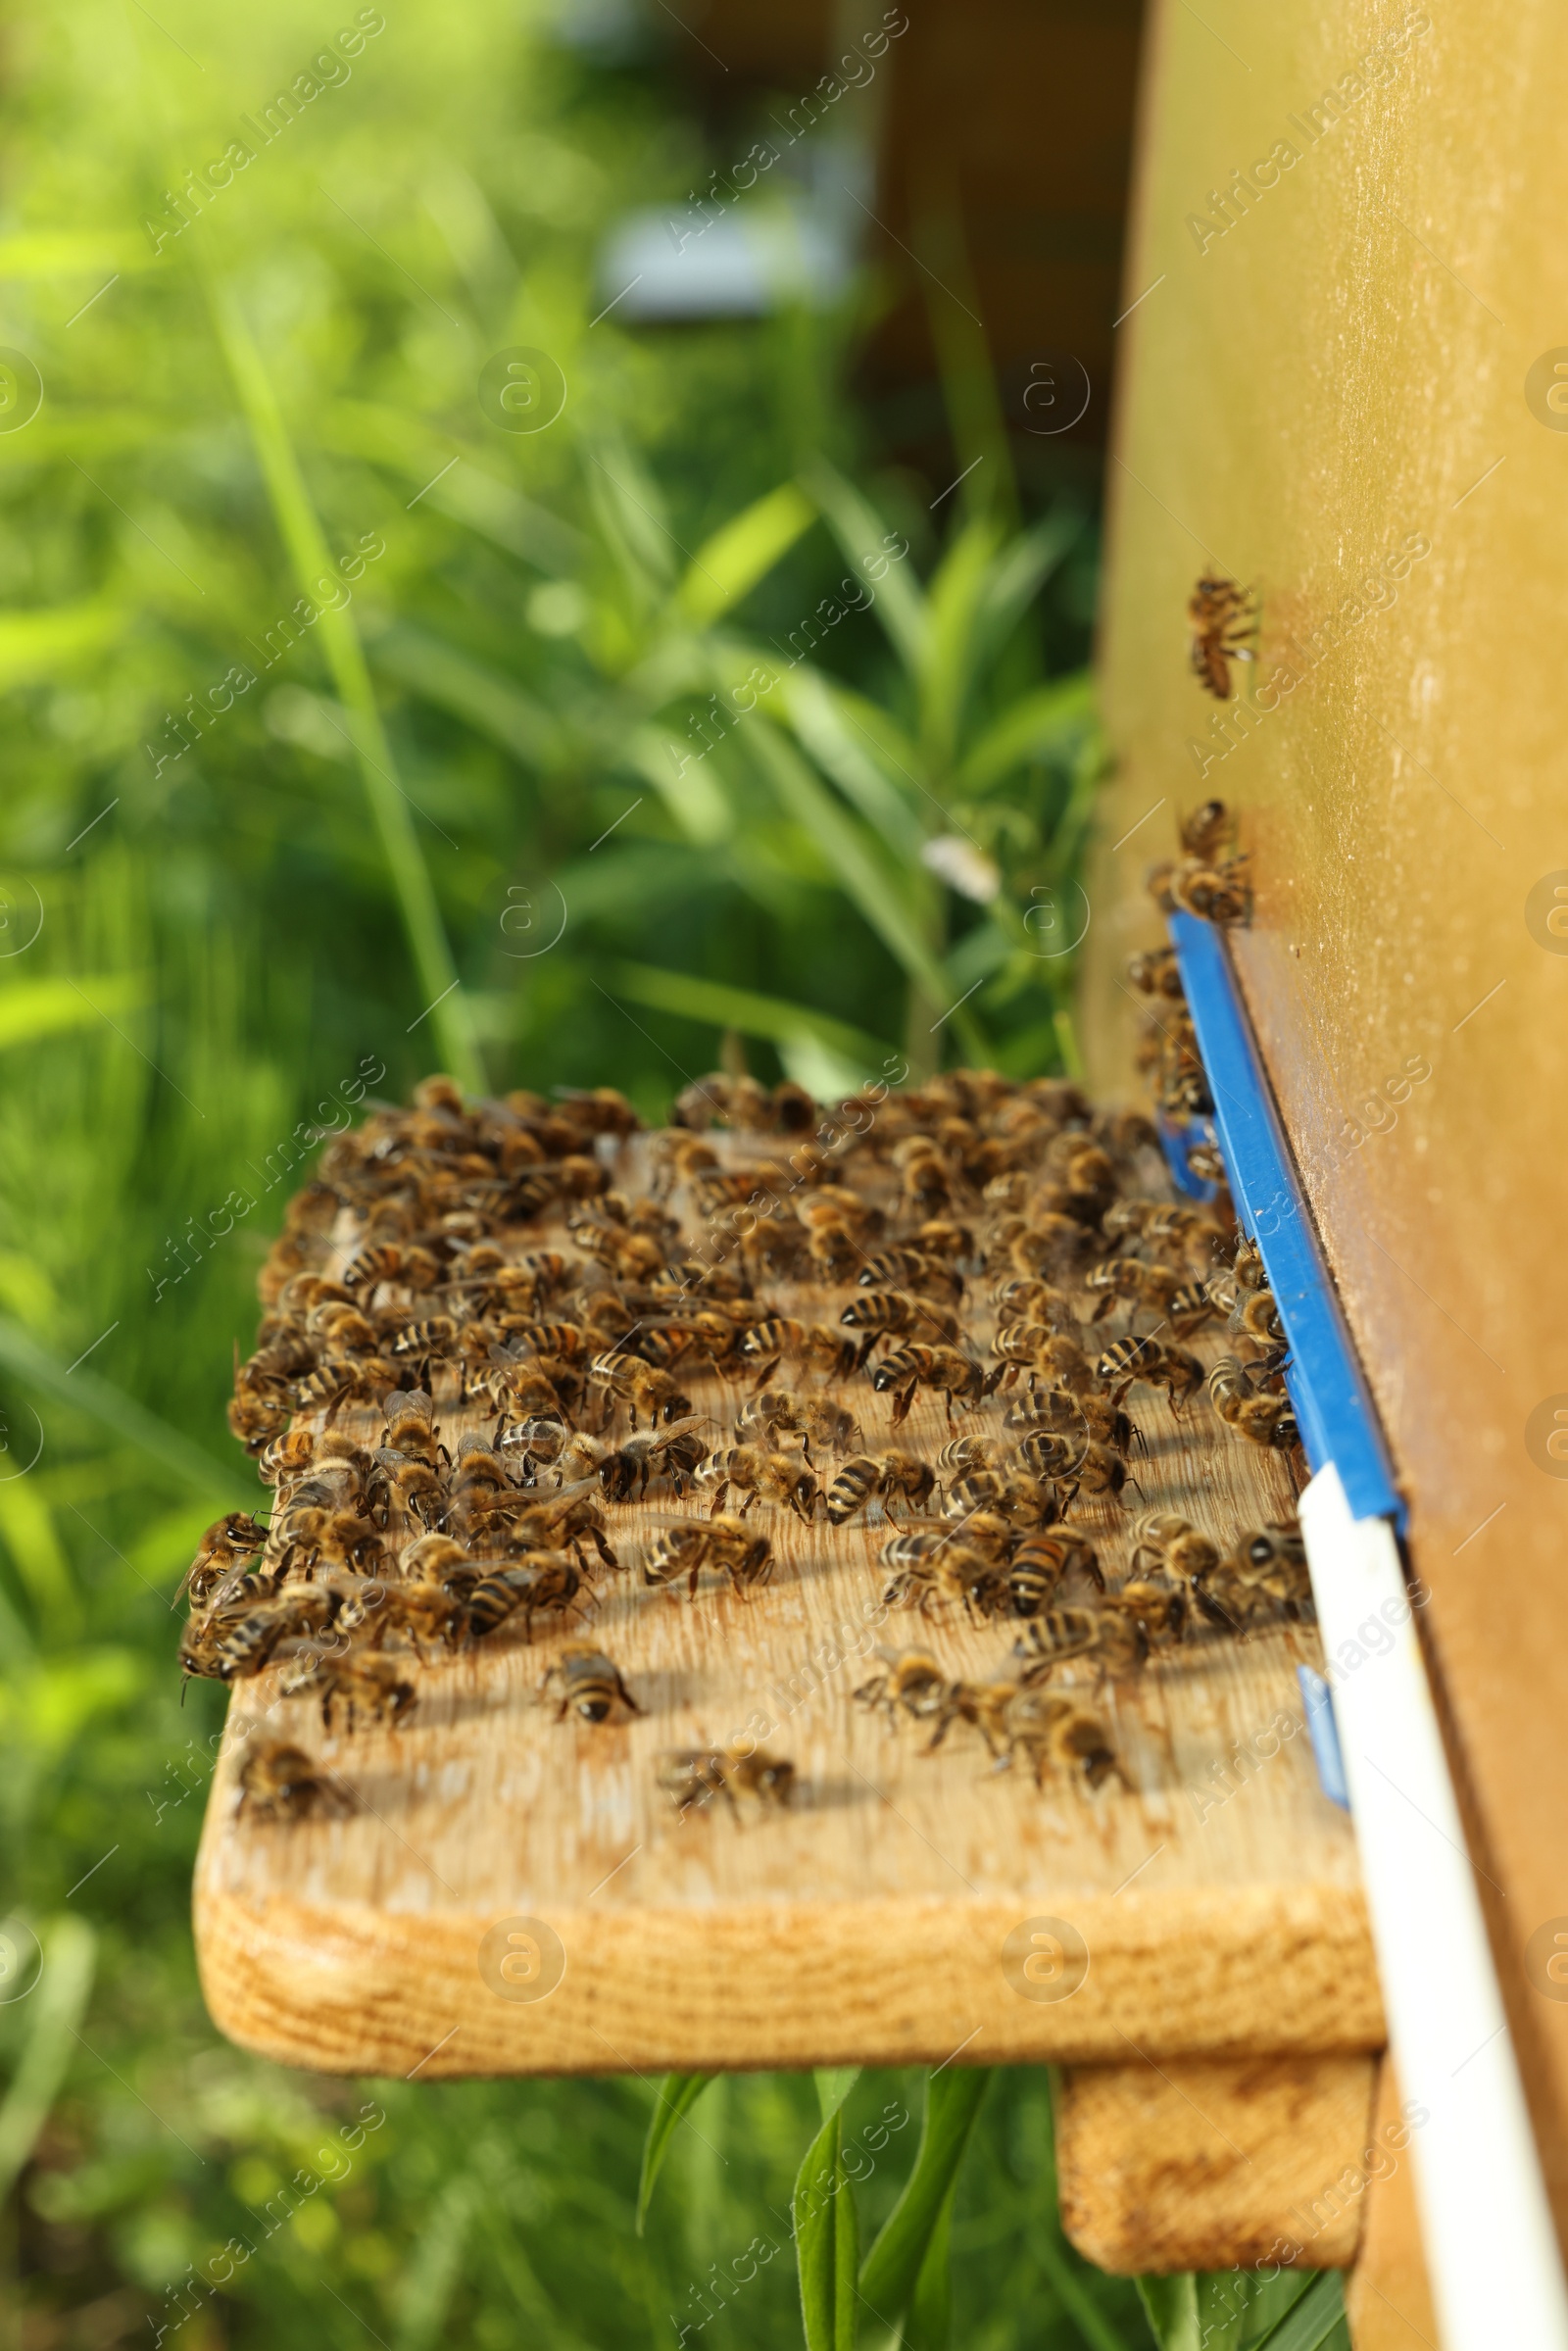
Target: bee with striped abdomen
[(587, 1684), (726, 1544), (887, 1476)]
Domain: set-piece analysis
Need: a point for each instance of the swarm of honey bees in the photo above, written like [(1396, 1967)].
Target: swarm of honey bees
[(520, 1357)]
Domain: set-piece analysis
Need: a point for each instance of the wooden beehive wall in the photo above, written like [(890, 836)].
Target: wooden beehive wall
[(1340, 384)]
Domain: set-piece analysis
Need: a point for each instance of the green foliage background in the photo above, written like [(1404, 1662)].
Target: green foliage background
[(199, 951)]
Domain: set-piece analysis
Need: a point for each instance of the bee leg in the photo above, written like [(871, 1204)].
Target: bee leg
[(746, 1507), (719, 1500)]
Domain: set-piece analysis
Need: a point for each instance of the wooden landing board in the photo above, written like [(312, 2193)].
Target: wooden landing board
[(885, 1918)]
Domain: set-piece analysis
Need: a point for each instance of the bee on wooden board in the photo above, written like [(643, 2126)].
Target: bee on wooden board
[(1117, 1646), (1057, 1733), (1224, 618), (280, 1783), (1078, 1465), (369, 1686), (1264, 1417), (1060, 1412), (944, 1572), (815, 1347), (888, 1476), (547, 1581), (625, 1471), (1130, 1360), (1042, 1562), (816, 1419), (909, 1681), (726, 1544), (691, 1776), (587, 1684), (1174, 1544), (946, 1368), (226, 1542), (756, 1472), (1156, 973)]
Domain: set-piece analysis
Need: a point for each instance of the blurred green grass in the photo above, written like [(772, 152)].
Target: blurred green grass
[(245, 894)]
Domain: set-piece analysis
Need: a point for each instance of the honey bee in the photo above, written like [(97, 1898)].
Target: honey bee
[(1078, 1465), (1223, 618), (1156, 973), (226, 1542), (932, 1570), (912, 1269), (831, 1425), (1206, 830), (1025, 1501), (1052, 1242), (407, 1492), (1159, 1611), (1206, 1161), (547, 1581), (910, 1681), (1058, 1412), (1243, 1600), (1167, 1367), (724, 1543), (1043, 1561), (280, 1783), (362, 1685), (1188, 1309), (625, 1471), (1131, 1280), (644, 1386), (926, 1182), (1248, 1267), (1257, 1316), (691, 1776), (1215, 894), (817, 1345), (884, 1475), (893, 1313), (1174, 1544), (1279, 1544), (1262, 1418), (962, 1456), (1117, 1646), (564, 1517), (235, 1643), (946, 1368), (587, 1684), (753, 1471), (1057, 1733), (287, 1456), (411, 1425)]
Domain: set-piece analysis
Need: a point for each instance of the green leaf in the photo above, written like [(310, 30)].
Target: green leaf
[(860, 869), (729, 565), (826, 2227), (58, 2004), (390, 805), (892, 2265), (739, 1008), (948, 671), (900, 604), (492, 705), (1050, 719), (1313, 2320), (1018, 575), (1170, 2305), (31, 1008), (678, 2093), (929, 2323), (828, 731), (834, 2084), (36, 644), (693, 796)]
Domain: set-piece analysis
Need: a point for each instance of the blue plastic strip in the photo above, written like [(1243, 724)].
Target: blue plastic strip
[(1323, 1729), (1333, 1405)]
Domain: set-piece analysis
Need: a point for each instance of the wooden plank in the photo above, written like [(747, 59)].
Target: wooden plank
[(1361, 360), (1212, 2164), (1218, 1900), (1388, 2298)]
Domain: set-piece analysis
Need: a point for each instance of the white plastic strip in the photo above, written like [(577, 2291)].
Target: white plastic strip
[(1492, 2252)]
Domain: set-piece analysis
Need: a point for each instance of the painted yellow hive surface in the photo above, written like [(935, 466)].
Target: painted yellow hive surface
[(495, 1889)]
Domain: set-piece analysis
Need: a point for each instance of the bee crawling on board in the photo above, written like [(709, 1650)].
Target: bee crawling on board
[(1057, 1733), (692, 1776), (1175, 1545), (724, 1543), (910, 1681), (280, 1783), (1224, 618), (587, 1684), (884, 1475), (369, 1685), (777, 1477)]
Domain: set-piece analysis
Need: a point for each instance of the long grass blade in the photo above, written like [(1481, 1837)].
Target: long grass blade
[(739, 1008), (826, 2228), (928, 2326), (1313, 2320), (59, 2004), (390, 806), (31, 1008), (728, 566), (1051, 720), (678, 2093), (893, 2266), (857, 527), (1170, 2305), (86, 1391)]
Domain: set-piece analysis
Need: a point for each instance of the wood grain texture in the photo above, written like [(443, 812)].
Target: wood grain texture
[(1346, 367), (1388, 2298), (1212, 2164), (1218, 1901)]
